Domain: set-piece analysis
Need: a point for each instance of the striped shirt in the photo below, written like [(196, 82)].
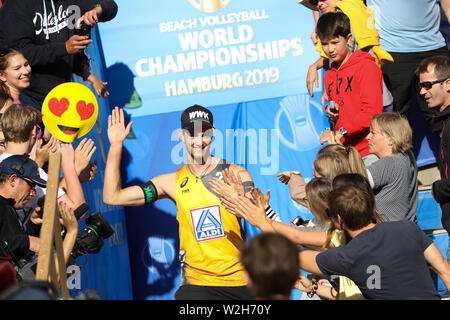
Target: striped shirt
[(394, 182)]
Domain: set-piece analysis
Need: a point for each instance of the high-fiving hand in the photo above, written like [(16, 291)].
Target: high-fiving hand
[(117, 131)]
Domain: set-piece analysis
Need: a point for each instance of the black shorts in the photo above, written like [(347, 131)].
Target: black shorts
[(191, 292)]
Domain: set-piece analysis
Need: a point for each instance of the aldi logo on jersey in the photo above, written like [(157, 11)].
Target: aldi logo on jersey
[(207, 223)]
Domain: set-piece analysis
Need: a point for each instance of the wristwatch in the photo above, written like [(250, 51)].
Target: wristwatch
[(343, 131)]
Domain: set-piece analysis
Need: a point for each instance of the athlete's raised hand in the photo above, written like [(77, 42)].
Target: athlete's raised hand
[(117, 131)]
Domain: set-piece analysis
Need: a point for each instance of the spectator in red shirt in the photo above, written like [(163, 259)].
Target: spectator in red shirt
[(354, 82)]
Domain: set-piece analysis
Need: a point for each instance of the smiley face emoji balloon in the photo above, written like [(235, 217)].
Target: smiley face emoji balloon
[(69, 111)]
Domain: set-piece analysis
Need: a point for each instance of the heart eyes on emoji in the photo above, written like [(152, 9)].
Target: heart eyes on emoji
[(58, 107), (85, 111)]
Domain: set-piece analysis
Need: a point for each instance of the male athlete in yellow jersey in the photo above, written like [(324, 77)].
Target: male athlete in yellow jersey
[(210, 237)]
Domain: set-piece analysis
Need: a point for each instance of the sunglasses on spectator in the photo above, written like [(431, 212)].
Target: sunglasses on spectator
[(38, 132), (30, 183), (427, 85), (315, 2)]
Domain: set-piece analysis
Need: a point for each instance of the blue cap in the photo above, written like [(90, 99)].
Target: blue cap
[(23, 167)]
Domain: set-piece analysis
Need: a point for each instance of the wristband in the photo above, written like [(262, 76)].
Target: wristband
[(248, 186), (343, 132), (272, 215), (315, 285), (150, 192)]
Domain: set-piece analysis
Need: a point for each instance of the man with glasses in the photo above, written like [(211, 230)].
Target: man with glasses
[(434, 87), (409, 31), (20, 126), (19, 176)]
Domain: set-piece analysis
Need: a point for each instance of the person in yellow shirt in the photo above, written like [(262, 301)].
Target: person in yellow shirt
[(210, 237)]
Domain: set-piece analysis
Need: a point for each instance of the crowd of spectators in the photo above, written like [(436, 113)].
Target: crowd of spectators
[(363, 242), (31, 65), (368, 245)]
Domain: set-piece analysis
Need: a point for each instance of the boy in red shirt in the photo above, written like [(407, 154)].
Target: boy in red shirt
[(354, 82)]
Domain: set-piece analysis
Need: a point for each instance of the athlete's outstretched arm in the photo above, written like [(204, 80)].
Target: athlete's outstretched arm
[(113, 194)]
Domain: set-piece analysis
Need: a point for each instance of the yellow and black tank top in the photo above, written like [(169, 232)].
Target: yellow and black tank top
[(210, 237)]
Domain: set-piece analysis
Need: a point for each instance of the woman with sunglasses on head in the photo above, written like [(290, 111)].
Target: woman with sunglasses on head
[(15, 73)]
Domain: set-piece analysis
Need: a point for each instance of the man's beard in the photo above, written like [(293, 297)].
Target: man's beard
[(200, 158)]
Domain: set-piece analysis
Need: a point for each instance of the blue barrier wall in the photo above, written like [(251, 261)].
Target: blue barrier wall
[(109, 270)]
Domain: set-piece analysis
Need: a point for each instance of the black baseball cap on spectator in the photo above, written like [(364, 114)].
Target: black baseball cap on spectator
[(23, 167), (196, 114), (311, 4)]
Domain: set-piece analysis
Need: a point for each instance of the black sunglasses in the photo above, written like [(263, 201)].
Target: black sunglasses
[(427, 85), (30, 183)]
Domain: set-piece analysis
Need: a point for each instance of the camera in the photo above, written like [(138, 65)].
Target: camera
[(83, 30), (332, 107), (90, 239)]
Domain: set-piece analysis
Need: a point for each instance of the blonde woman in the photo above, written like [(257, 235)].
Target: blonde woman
[(394, 176), (331, 160), (335, 159)]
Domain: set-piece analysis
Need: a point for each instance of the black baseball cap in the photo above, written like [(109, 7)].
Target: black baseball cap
[(23, 167), (311, 4), (196, 114)]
